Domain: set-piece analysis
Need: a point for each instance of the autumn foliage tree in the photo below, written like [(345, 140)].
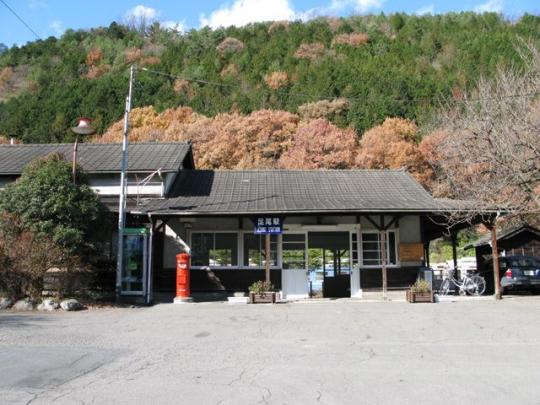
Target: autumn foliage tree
[(319, 144), (262, 139), (394, 145)]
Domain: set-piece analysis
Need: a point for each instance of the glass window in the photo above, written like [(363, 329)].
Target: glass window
[(254, 250), (214, 249), (133, 263), (294, 251), (371, 248)]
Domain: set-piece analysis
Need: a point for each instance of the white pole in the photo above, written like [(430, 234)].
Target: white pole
[(123, 187)]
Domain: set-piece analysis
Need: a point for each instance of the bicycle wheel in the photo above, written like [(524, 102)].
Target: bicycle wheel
[(445, 287), (479, 285)]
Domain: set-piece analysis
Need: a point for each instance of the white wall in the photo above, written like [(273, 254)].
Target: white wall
[(408, 230)]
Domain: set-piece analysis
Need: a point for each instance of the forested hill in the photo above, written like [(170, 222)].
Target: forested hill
[(380, 66)]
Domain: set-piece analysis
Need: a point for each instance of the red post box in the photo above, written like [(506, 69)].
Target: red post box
[(183, 290)]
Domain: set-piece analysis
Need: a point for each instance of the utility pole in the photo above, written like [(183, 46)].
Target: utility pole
[(123, 187)]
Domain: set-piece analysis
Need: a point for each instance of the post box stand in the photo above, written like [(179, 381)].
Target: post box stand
[(183, 287)]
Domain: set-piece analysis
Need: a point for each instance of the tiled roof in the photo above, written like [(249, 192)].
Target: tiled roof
[(510, 233), (294, 191), (100, 158)]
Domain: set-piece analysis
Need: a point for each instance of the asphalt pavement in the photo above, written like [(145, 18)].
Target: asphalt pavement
[(328, 352)]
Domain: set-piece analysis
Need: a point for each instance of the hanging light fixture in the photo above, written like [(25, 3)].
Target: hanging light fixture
[(83, 128)]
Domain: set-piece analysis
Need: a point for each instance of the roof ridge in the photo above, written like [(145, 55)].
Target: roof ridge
[(93, 144), (304, 170)]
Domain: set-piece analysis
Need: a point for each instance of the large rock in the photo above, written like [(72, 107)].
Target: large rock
[(24, 305), (48, 305), (71, 305), (5, 303)]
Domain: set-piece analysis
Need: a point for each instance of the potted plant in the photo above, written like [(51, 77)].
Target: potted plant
[(262, 292), (420, 291)]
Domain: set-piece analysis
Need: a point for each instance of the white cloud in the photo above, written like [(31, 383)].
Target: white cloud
[(149, 15), (339, 6), (57, 27), (491, 6), (366, 5), (142, 12), (243, 12), (36, 4), (179, 26), (426, 10)]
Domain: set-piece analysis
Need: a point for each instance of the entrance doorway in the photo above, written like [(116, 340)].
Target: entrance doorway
[(329, 264)]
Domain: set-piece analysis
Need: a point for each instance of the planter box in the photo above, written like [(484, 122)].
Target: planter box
[(264, 298), (419, 297)]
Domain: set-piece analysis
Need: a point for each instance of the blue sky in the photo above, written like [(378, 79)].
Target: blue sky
[(52, 17)]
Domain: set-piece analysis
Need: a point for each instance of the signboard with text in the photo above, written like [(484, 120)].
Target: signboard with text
[(268, 225), (411, 252)]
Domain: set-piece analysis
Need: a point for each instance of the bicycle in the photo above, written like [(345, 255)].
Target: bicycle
[(469, 284)]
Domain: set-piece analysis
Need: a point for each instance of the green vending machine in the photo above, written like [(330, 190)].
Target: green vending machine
[(136, 283)]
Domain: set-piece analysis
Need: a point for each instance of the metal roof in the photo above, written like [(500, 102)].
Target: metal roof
[(101, 158), (510, 233), (204, 192)]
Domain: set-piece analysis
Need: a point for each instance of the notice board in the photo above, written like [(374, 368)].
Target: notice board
[(411, 252)]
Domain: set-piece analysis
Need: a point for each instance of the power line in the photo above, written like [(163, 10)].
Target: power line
[(439, 97), (20, 19)]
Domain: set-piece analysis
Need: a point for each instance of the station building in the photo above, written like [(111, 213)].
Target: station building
[(335, 229)]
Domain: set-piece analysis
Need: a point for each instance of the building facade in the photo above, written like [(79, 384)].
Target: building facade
[(335, 230)]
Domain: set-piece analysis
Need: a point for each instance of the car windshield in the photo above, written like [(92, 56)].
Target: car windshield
[(523, 262)]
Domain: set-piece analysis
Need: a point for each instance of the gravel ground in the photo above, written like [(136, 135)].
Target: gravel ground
[(337, 352)]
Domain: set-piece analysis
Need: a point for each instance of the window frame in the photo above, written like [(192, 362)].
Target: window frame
[(191, 233), (306, 250), (360, 240), (240, 250)]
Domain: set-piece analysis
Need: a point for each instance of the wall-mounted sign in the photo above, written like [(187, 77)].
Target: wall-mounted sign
[(268, 225), (411, 252)]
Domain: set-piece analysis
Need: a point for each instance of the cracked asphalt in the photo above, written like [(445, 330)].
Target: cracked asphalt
[(337, 352)]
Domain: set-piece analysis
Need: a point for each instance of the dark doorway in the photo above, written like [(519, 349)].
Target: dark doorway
[(330, 263)]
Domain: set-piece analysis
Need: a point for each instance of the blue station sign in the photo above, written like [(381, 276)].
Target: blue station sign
[(268, 225)]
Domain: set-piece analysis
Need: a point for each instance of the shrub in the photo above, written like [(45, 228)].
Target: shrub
[(94, 56), (132, 55), (230, 70), (311, 51), (354, 39), (278, 25), (420, 286), (47, 202), (150, 60), (25, 257), (260, 287), (230, 45), (5, 76), (97, 71), (276, 79), (323, 108)]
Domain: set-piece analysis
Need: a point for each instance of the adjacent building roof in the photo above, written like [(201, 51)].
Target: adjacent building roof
[(102, 158), (486, 240), (204, 192)]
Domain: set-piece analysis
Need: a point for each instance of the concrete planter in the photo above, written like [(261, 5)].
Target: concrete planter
[(413, 297), (263, 298)]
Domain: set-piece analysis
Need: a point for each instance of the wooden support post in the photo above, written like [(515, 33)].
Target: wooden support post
[(383, 264), (267, 255), (495, 255), (454, 252)]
